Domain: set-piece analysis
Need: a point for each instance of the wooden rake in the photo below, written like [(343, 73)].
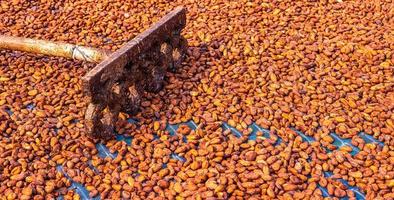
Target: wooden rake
[(118, 81)]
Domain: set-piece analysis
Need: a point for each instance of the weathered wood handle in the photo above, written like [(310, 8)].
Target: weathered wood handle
[(53, 48)]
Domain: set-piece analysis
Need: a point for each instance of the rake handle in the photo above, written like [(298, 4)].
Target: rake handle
[(53, 48)]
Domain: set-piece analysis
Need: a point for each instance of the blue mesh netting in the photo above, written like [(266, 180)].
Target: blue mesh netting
[(339, 142)]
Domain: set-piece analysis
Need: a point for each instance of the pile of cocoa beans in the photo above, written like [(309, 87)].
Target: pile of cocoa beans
[(300, 71)]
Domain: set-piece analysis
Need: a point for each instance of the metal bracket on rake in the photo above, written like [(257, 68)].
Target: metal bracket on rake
[(117, 82)]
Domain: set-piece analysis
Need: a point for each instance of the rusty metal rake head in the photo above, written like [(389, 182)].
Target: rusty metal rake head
[(117, 82)]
